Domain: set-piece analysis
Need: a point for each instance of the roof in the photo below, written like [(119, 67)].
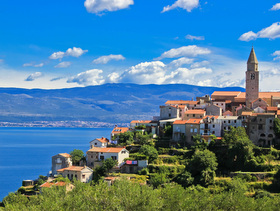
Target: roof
[(228, 117), (196, 111), (179, 122), (60, 183), (269, 94), (141, 121), (107, 149), (263, 114), (181, 102), (272, 108), (246, 113), (193, 121), (65, 155), (118, 130), (252, 57), (102, 140), (72, 168), (226, 93), (50, 184), (227, 113), (210, 116), (182, 106), (278, 112)]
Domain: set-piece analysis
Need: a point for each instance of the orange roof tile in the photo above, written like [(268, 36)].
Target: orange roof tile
[(47, 185), (181, 102), (193, 121), (182, 106), (72, 168), (65, 155), (60, 183), (141, 121), (278, 112), (118, 130), (269, 94), (272, 108), (225, 93), (196, 111), (179, 122), (102, 140), (263, 114), (246, 113), (106, 150)]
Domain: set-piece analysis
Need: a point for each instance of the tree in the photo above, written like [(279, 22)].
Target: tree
[(184, 179), (203, 166), (158, 179), (77, 155), (150, 152), (109, 164), (168, 130), (126, 138), (276, 127)]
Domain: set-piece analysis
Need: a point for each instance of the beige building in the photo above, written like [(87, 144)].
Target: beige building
[(59, 161), (118, 130), (214, 110), (194, 114), (192, 129), (81, 173), (179, 130), (96, 155), (169, 112)]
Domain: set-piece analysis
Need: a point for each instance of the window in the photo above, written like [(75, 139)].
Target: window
[(225, 128), (234, 121), (91, 156), (224, 121), (213, 126), (193, 115), (101, 157), (270, 120), (191, 130), (83, 176), (95, 143), (195, 130), (213, 132), (114, 157), (228, 121), (222, 104), (169, 115)]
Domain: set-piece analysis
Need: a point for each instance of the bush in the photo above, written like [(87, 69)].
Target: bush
[(158, 179), (259, 194), (143, 171), (184, 179)]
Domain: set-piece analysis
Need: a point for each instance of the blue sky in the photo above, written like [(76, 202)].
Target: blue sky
[(57, 44)]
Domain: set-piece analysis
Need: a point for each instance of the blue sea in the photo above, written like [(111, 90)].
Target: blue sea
[(25, 153)]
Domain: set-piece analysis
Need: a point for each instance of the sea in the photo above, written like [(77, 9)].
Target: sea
[(26, 153)]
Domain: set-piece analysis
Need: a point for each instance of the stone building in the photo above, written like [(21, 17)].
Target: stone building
[(59, 161)]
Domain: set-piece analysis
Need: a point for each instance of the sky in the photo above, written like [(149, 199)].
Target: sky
[(75, 43)]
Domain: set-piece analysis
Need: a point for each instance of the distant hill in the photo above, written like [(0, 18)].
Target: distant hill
[(106, 103)]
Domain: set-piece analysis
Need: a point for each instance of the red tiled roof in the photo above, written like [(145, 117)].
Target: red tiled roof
[(106, 150), (181, 102), (269, 94), (225, 93), (72, 168), (46, 185), (60, 183), (272, 108), (278, 112), (196, 111), (193, 121), (247, 113), (118, 130), (263, 114), (65, 155), (102, 140), (179, 122)]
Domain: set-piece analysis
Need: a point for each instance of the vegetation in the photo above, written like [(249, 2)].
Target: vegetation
[(77, 155)]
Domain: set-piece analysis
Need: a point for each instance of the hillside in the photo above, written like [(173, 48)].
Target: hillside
[(106, 103)]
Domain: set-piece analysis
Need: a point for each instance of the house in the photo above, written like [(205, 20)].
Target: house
[(118, 130), (194, 114), (133, 166), (214, 110), (150, 126), (211, 126), (179, 130), (95, 155), (229, 121), (68, 186), (81, 173), (190, 104), (59, 161), (99, 142), (169, 112), (192, 129)]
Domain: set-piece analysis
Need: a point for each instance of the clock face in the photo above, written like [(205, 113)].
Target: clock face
[(252, 76)]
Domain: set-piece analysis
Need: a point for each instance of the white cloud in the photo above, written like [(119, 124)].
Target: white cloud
[(97, 6), (106, 59), (113, 77), (191, 37), (271, 32), (277, 55), (87, 78), (33, 65), (63, 65), (275, 7), (1, 61), (56, 79), (185, 51), (248, 36), (181, 61), (188, 5), (200, 64), (75, 52), (57, 55), (34, 76)]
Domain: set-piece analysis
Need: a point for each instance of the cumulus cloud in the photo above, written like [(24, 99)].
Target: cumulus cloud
[(34, 76), (113, 77), (63, 65), (106, 59), (87, 78), (275, 7), (188, 5), (97, 6), (271, 32), (191, 37), (33, 65), (181, 61), (276, 55), (74, 52), (185, 51)]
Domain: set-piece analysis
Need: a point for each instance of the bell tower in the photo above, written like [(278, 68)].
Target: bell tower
[(252, 79)]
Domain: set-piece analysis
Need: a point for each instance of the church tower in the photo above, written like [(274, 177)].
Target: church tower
[(252, 79)]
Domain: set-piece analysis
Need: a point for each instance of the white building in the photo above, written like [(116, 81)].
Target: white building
[(230, 121), (81, 173), (99, 142), (211, 126)]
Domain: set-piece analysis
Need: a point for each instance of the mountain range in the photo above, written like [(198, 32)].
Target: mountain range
[(105, 103)]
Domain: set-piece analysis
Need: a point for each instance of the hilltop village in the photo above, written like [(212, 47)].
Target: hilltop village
[(226, 141)]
